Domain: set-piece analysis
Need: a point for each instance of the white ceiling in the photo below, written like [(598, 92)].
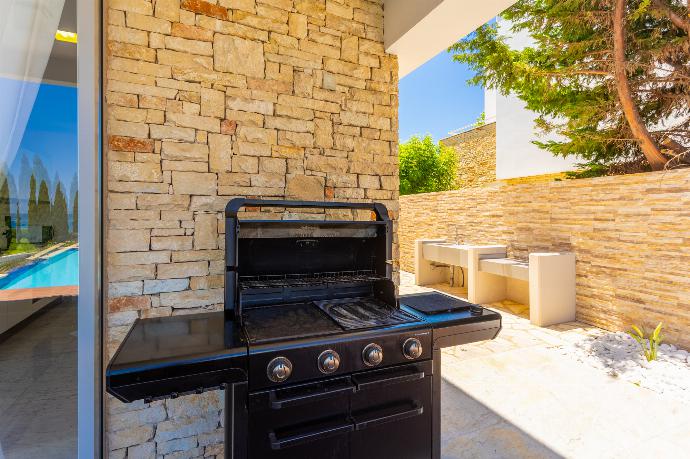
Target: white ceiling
[(62, 65), (417, 30)]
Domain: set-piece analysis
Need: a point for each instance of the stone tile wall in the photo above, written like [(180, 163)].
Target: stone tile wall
[(476, 153), (631, 236), (206, 101)]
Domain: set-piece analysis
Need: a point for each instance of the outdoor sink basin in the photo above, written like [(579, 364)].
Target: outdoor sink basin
[(506, 267), (447, 253)]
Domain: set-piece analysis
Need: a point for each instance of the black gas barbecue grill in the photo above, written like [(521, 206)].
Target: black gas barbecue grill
[(317, 356)]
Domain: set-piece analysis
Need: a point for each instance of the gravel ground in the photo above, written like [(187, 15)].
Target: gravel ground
[(619, 355)]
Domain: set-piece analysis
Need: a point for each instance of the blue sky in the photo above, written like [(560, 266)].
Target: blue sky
[(435, 99), (51, 132), (50, 135)]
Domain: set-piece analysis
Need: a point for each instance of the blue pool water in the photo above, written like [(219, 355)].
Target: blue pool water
[(57, 271)]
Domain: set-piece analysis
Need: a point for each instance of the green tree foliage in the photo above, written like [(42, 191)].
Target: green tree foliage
[(481, 120), (32, 201), (5, 212), (18, 224), (59, 215), (586, 53), (75, 214), (43, 211), (426, 166)]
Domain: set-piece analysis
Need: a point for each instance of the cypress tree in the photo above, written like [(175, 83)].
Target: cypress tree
[(32, 201), (59, 215), (18, 225), (75, 215), (43, 210), (5, 215), (4, 199)]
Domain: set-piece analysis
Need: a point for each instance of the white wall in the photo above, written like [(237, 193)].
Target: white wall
[(516, 155), (15, 311), (490, 105)]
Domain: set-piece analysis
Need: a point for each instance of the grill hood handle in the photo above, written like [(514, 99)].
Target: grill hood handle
[(236, 204)]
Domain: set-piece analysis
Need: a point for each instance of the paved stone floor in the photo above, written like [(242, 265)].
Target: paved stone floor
[(513, 397), (38, 393), (518, 397)]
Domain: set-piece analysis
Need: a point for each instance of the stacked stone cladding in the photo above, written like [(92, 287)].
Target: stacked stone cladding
[(630, 234), (476, 155), (206, 101)]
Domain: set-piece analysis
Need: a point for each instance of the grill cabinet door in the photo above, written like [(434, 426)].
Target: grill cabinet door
[(391, 410), (308, 421)]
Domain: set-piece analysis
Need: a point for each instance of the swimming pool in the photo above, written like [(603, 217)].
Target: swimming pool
[(58, 271)]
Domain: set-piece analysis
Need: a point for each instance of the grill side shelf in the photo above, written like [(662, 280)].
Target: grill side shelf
[(158, 389)]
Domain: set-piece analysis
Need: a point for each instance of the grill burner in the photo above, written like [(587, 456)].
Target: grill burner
[(306, 280), (357, 313)]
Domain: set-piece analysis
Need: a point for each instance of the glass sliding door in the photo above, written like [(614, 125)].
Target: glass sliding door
[(39, 229)]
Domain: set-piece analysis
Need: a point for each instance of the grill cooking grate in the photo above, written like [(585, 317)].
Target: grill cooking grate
[(307, 280), (357, 313)]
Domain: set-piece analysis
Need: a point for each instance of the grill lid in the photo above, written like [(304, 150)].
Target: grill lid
[(279, 262)]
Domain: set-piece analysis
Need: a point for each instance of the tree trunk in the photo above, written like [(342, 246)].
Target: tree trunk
[(677, 20), (650, 149)]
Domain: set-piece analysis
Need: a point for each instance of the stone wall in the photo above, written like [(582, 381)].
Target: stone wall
[(631, 236), (206, 101), (476, 153)]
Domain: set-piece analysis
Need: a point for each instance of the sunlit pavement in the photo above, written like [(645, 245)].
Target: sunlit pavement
[(517, 396)]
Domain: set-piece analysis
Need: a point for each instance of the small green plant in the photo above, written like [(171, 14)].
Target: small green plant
[(481, 120), (649, 344)]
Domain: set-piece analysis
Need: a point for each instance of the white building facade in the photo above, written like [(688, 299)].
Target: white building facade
[(516, 154)]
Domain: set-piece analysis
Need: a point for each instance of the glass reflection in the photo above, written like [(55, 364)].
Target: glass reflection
[(38, 229)]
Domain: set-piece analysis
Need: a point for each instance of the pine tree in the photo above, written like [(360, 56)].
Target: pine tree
[(43, 211), (612, 77), (32, 201), (59, 215), (75, 215)]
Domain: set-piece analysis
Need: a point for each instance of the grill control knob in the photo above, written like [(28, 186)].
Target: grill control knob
[(279, 369), (372, 355), (329, 361), (412, 348)]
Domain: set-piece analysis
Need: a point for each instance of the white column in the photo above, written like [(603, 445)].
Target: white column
[(483, 287), (551, 288)]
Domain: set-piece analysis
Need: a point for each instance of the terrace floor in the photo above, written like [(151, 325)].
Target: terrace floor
[(514, 397), (38, 393), (518, 396)]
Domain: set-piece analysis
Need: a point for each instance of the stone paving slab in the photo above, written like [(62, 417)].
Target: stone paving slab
[(554, 407), (519, 397)]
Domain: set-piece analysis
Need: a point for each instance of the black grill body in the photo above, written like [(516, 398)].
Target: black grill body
[(296, 290)]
